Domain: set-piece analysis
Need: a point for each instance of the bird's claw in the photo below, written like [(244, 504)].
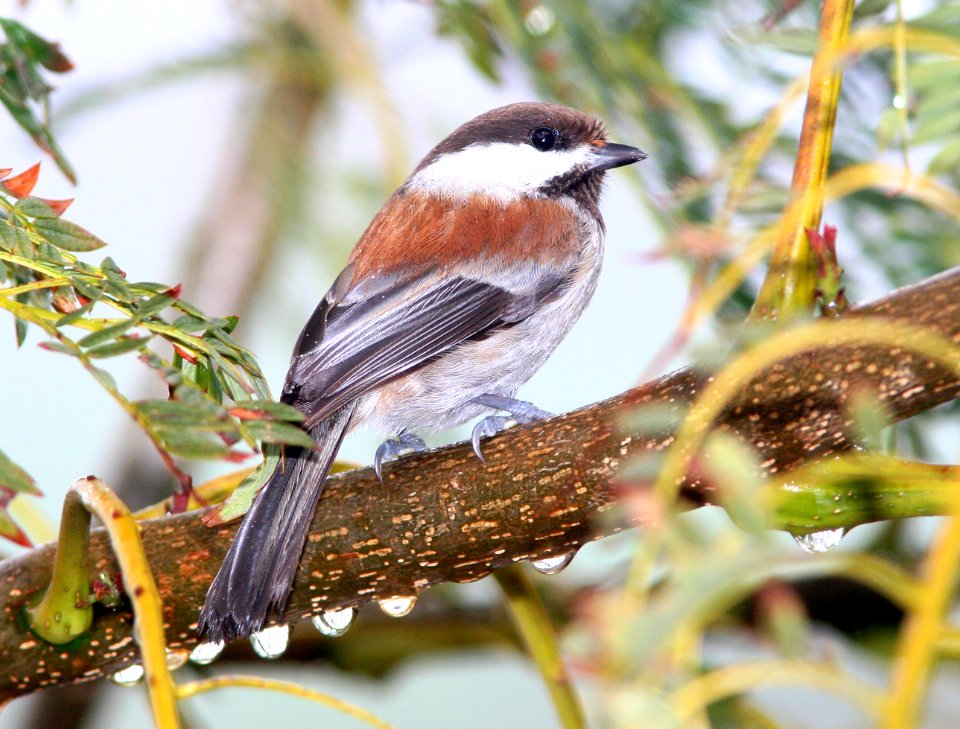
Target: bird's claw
[(393, 448), (520, 411), (490, 425)]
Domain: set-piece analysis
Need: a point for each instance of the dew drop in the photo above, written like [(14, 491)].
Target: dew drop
[(206, 653), (553, 565), (819, 542), (334, 623), (271, 642), (539, 20), (398, 607), (129, 676), (176, 659)]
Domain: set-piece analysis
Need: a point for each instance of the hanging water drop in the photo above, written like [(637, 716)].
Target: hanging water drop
[(334, 623), (398, 607), (553, 565), (206, 653), (130, 676), (271, 642), (176, 659), (819, 542)]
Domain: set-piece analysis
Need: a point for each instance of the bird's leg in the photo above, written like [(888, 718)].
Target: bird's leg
[(520, 411), (392, 448)]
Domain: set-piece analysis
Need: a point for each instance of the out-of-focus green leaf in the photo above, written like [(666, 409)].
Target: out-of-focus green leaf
[(12, 237), (274, 409), (268, 431), (203, 414), (107, 333), (120, 346), (22, 89), (14, 478), (67, 235)]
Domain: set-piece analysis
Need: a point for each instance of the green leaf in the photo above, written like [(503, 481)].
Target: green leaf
[(120, 346), (67, 235), (239, 502), (107, 333), (946, 160), (20, 327), (203, 414), (44, 52), (192, 443), (936, 127), (11, 237), (277, 410), (76, 314), (59, 347), (156, 303), (13, 478), (273, 431), (34, 207)]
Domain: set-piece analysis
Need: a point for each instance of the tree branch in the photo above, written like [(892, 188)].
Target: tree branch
[(545, 489)]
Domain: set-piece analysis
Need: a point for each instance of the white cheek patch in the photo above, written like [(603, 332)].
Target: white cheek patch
[(503, 171)]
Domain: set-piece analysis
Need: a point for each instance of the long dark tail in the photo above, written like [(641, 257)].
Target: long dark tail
[(255, 579)]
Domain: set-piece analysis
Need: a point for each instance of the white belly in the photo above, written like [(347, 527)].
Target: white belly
[(438, 395)]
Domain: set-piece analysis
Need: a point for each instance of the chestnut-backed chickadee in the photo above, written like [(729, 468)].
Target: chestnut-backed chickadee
[(461, 287)]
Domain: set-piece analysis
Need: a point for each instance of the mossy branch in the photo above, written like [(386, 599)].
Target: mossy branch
[(545, 489)]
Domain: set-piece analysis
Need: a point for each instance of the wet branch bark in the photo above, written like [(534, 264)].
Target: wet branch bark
[(545, 489)]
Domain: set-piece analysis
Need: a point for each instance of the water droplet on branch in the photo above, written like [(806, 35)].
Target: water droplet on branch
[(130, 676), (206, 653), (176, 659), (819, 542), (553, 565), (334, 623), (398, 607), (271, 642)]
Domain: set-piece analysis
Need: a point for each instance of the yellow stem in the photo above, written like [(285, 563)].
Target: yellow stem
[(140, 586), (789, 287), (185, 691), (918, 640), (701, 691), (536, 630)]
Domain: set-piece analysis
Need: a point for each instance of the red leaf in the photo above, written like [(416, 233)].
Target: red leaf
[(235, 456), (22, 185), (4, 171), (174, 291), (248, 414), (57, 206), (184, 353), (18, 537)]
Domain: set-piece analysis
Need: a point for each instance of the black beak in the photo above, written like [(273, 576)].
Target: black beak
[(616, 155)]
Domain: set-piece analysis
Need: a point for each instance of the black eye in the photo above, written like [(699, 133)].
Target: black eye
[(544, 138)]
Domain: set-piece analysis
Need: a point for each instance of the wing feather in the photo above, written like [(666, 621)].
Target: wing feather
[(357, 347)]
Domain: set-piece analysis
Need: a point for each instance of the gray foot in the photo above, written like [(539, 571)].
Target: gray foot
[(393, 448), (520, 411)]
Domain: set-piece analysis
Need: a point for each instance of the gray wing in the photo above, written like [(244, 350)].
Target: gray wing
[(347, 349)]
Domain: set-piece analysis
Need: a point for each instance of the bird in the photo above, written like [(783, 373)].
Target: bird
[(460, 288)]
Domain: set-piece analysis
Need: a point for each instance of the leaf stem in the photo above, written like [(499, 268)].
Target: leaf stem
[(65, 611), (788, 289), (919, 638), (532, 622), (142, 589)]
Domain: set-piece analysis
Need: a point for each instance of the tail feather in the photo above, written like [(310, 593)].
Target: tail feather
[(257, 574)]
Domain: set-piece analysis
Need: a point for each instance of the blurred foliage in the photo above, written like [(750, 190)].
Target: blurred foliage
[(23, 89), (712, 92), (711, 88), (218, 399)]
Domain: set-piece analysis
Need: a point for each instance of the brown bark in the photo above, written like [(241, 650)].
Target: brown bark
[(545, 489)]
